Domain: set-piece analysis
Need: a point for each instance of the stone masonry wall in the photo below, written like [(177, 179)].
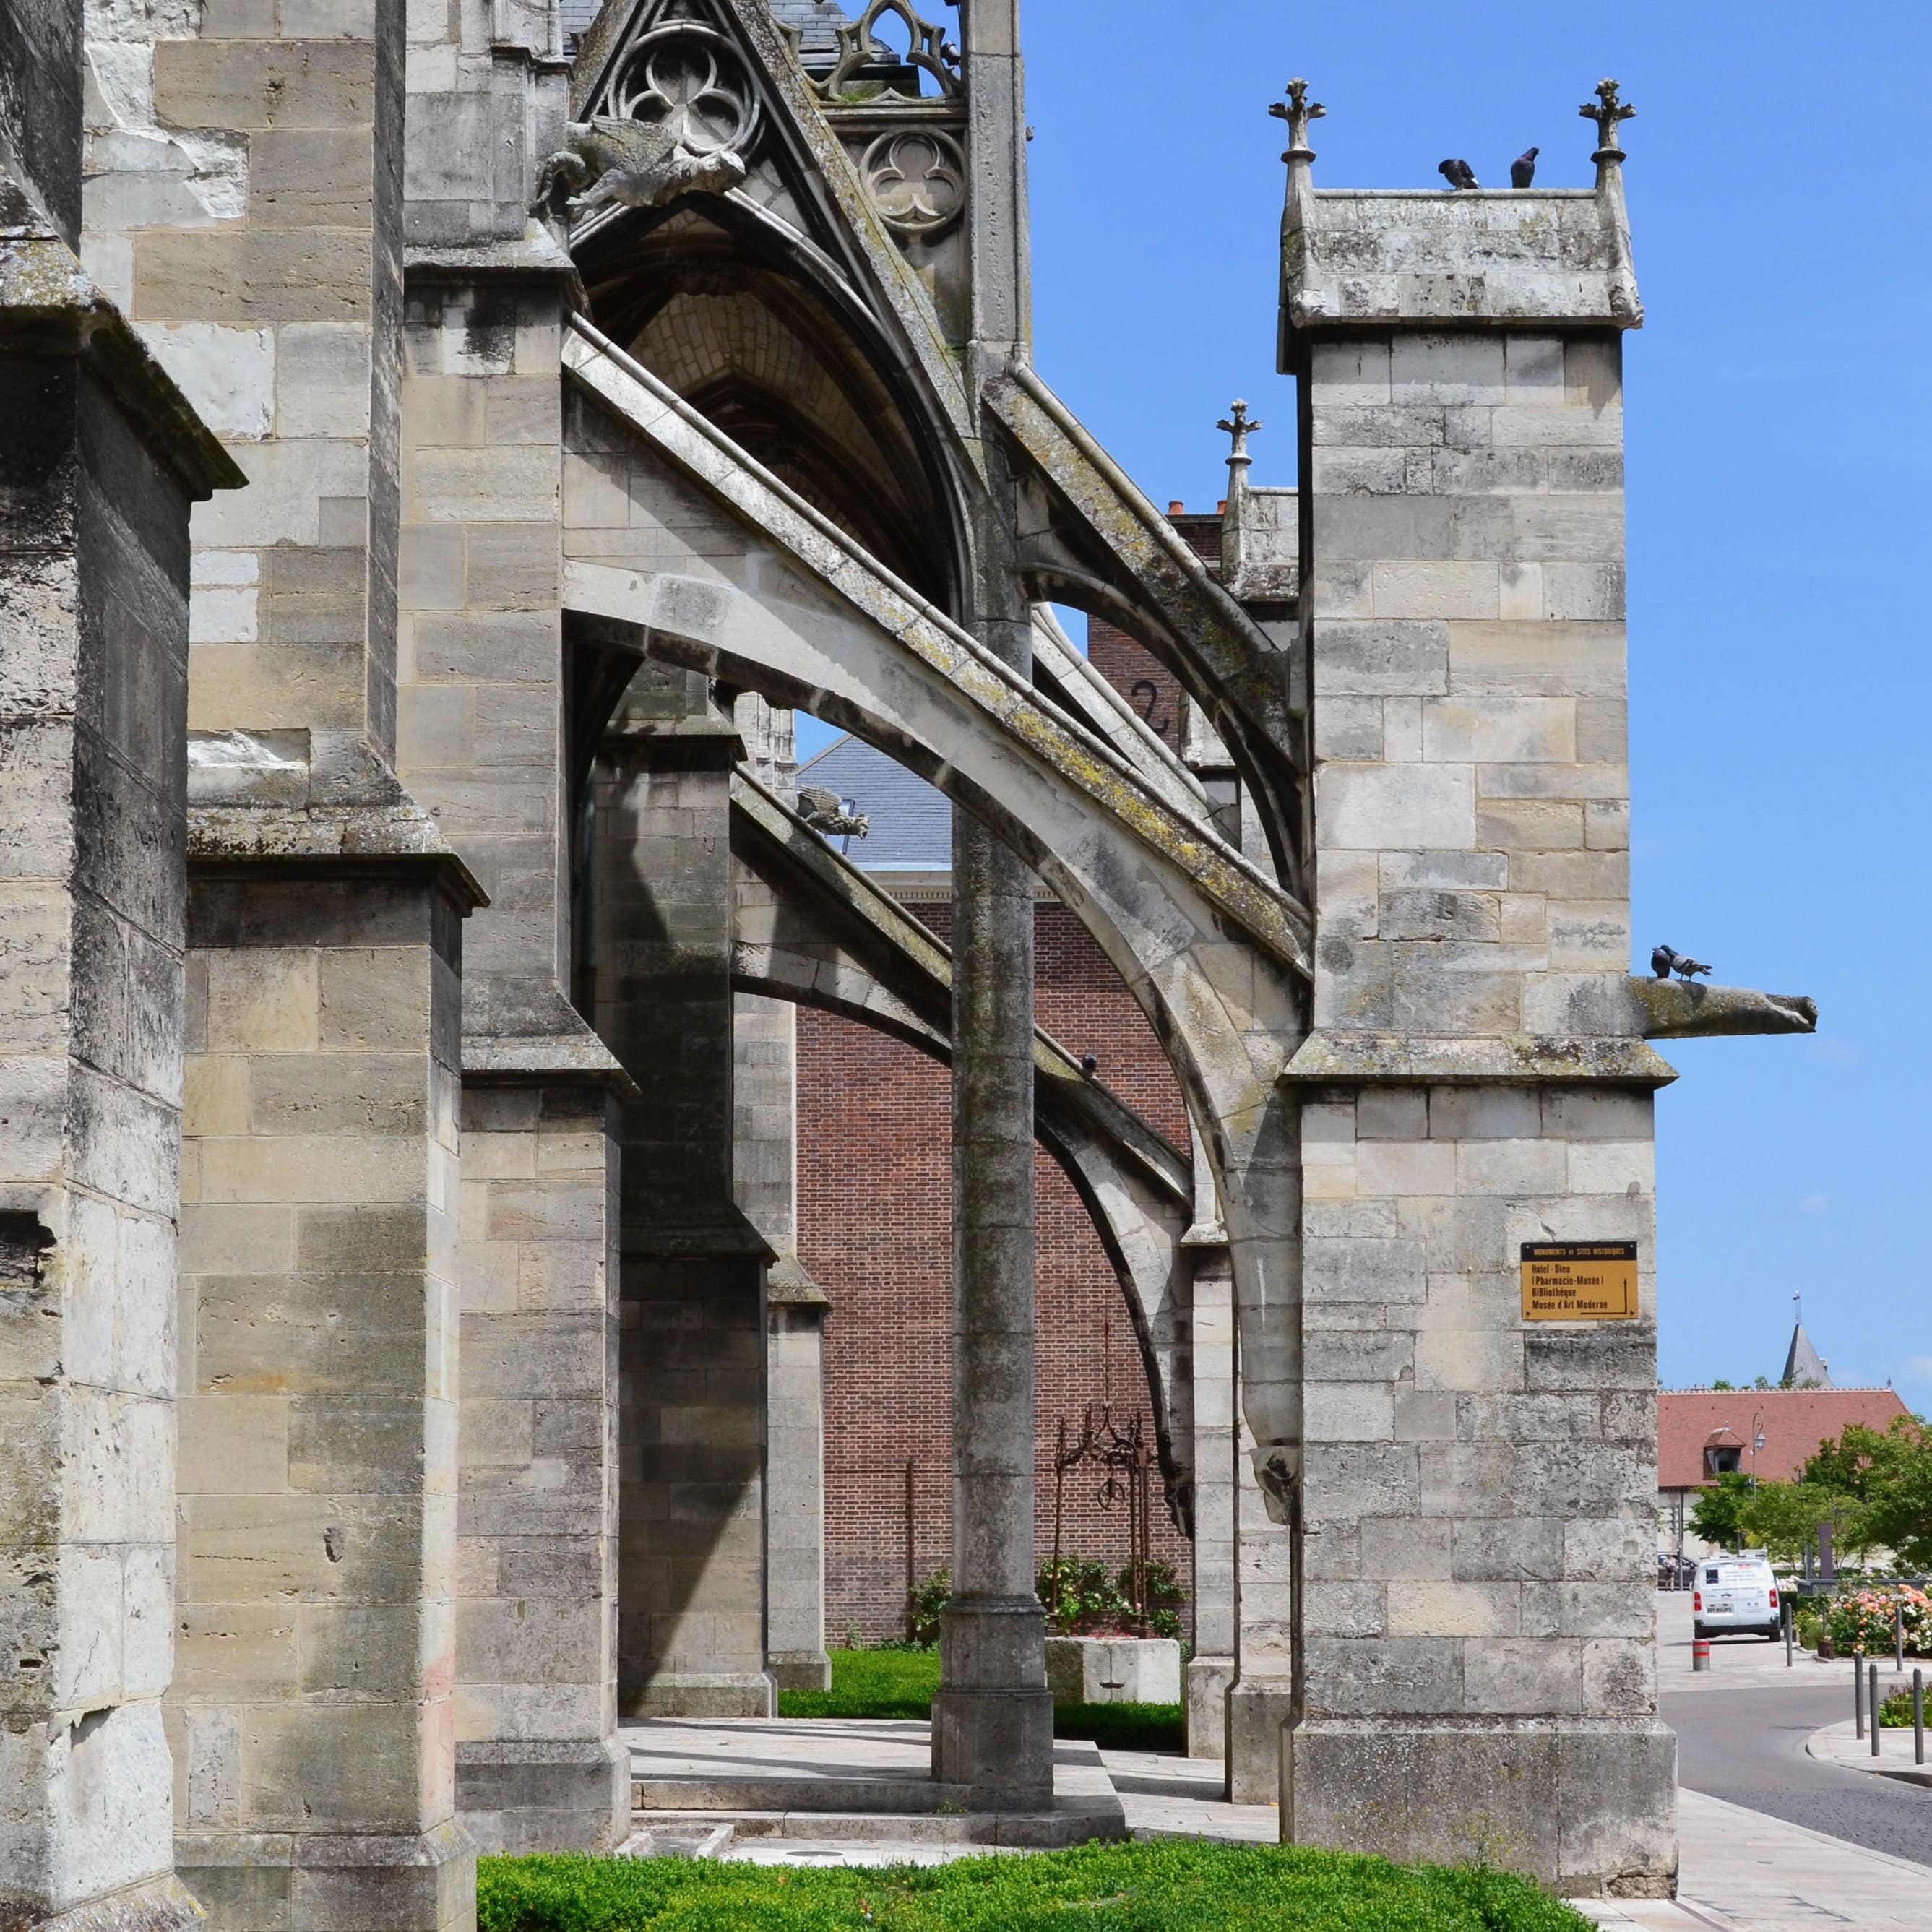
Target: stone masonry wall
[(311, 1717), (1472, 803), (244, 206), (93, 693), (536, 1552)]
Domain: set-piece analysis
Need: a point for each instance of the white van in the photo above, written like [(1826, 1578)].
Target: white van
[(1736, 1593)]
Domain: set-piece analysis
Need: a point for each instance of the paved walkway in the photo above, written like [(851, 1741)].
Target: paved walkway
[(1841, 1744), (1742, 1871)]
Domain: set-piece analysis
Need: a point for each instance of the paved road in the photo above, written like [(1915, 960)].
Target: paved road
[(1748, 1745)]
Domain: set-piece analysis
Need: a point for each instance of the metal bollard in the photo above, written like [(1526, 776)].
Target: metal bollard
[(1857, 1695), (1789, 1621), (1872, 1695), (1898, 1638), (1918, 1716), (1700, 1653)]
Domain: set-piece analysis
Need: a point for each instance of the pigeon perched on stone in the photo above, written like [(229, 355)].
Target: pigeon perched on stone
[(1665, 960), (1522, 170), (1090, 1065), (1458, 174)]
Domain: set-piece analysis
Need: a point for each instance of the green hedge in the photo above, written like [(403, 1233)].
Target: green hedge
[(1174, 1886), (1152, 1727), (900, 1683)]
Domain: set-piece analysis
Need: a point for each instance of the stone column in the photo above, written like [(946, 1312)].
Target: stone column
[(99, 461), (992, 1721), (691, 1578), (1477, 1659)]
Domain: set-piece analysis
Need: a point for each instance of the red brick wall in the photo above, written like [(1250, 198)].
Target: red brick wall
[(875, 1231), (1138, 676)]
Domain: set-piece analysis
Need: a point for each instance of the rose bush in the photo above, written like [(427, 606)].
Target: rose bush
[(1861, 1620)]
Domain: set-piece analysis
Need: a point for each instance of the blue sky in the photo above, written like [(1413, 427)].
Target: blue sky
[(1780, 427)]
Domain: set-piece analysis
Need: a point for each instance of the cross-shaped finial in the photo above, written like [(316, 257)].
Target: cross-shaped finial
[(1235, 424), (1608, 112), (1297, 111)]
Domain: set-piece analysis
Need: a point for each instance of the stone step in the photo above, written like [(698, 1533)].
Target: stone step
[(1071, 1822)]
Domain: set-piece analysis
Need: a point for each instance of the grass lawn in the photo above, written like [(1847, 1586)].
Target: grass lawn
[(870, 1684), (900, 1683), (1175, 1886)]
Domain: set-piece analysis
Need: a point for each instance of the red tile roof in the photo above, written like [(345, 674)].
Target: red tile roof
[(1795, 1421)]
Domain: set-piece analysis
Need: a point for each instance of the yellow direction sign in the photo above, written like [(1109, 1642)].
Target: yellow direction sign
[(1579, 1281)]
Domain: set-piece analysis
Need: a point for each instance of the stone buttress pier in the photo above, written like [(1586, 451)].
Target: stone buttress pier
[(485, 742), (764, 1036), (1476, 1669), (101, 457), (691, 1588), (245, 200)]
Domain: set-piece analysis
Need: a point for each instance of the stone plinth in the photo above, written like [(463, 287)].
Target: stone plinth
[(1114, 1669)]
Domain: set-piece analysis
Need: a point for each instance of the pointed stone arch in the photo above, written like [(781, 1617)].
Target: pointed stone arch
[(753, 330), (770, 597)]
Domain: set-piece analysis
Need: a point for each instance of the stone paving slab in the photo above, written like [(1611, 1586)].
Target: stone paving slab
[(1840, 1744), (847, 1780), (1743, 1871), (1167, 1796)]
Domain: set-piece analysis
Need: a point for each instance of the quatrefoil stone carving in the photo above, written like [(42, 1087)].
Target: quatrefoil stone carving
[(916, 178), (686, 79)]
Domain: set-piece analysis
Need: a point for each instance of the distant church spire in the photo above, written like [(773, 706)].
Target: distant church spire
[(1803, 1366)]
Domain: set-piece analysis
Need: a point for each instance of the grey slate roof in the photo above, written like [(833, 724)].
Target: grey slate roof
[(1804, 1366), (912, 823)]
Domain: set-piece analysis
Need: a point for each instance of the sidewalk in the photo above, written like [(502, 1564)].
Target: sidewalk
[(1841, 1744)]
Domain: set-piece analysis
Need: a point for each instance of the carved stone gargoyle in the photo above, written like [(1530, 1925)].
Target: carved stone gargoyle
[(1680, 1009), (635, 163), (825, 812)]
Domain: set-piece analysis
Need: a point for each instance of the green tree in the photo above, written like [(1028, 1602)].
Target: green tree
[(1890, 1474), (1782, 1518), (1719, 1516)]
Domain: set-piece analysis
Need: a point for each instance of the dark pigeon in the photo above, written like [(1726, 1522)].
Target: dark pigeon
[(1664, 961), (1458, 174), (1089, 1065), (1522, 170)]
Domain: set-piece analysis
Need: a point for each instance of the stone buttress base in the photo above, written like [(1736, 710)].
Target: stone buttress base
[(1257, 1708), (992, 1719), (517, 1795), (800, 1669), (351, 1883), (703, 1693), (154, 1905), (1205, 1682), (1587, 1806)]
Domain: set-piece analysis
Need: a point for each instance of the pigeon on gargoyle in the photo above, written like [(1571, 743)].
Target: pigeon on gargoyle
[(1665, 960)]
